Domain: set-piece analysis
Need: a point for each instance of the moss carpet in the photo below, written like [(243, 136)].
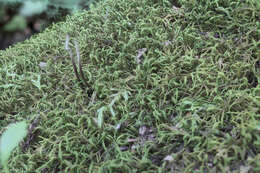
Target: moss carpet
[(161, 86)]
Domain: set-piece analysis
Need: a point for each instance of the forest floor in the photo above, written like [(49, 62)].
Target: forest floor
[(138, 86), (16, 27)]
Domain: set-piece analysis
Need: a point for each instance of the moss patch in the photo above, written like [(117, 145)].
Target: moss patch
[(171, 86)]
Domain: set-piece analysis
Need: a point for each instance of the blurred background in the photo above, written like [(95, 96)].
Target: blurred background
[(20, 19)]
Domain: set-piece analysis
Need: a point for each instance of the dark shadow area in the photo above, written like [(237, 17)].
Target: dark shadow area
[(15, 28)]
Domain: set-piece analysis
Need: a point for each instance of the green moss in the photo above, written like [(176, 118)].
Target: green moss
[(195, 89)]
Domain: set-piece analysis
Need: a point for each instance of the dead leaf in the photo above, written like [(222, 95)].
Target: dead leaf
[(132, 140), (140, 54), (43, 65), (118, 126), (167, 43), (220, 63), (244, 169), (168, 158), (123, 148), (177, 10), (151, 137), (142, 130)]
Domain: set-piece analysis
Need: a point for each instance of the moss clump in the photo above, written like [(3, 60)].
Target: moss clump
[(173, 87)]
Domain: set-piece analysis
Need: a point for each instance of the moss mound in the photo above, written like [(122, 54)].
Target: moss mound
[(169, 87)]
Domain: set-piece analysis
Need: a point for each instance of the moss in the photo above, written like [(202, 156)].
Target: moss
[(180, 82)]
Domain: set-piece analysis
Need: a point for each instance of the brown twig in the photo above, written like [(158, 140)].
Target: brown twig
[(79, 62), (71, 57), (31, 133)]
